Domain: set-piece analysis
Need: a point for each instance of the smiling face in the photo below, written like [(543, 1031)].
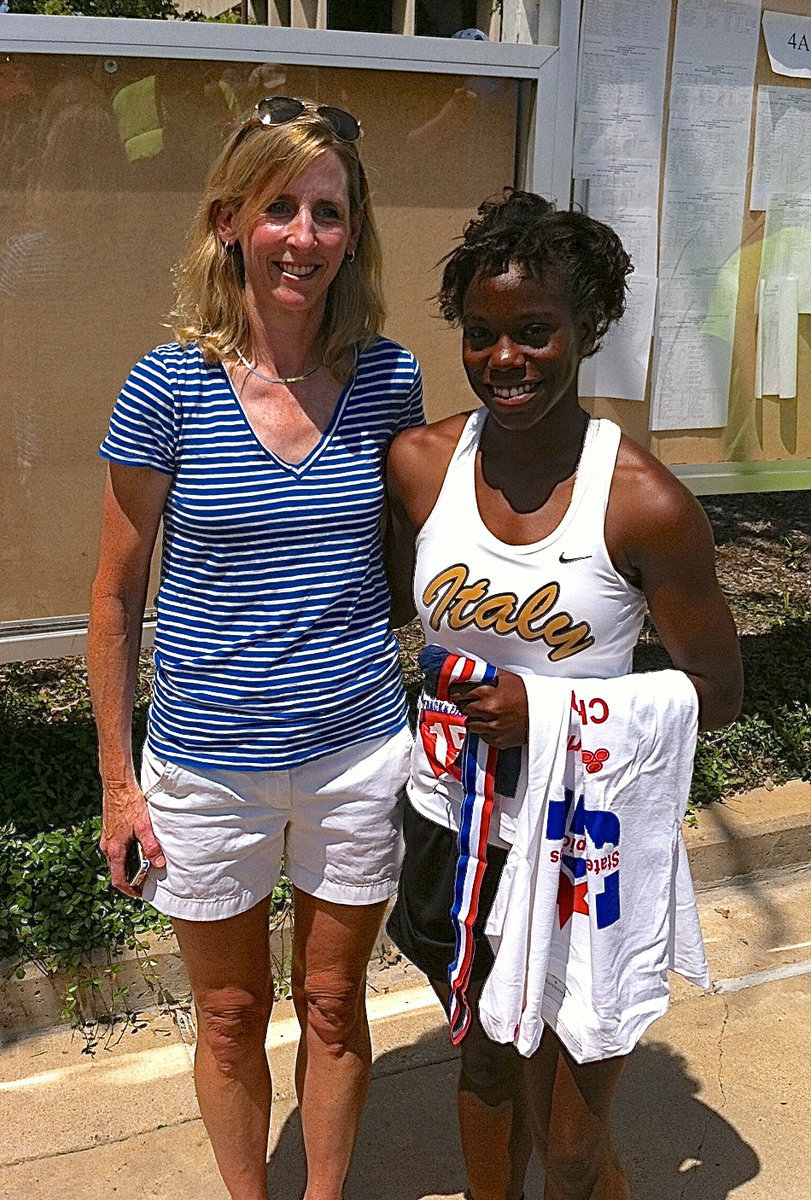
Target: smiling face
[(294, 250), (522, 344)]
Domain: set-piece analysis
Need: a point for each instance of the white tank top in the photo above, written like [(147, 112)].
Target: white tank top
[(553, 607)]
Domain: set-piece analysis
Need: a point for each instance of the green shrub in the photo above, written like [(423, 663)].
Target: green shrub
[(59, 907), (48, 773), (60, 903)]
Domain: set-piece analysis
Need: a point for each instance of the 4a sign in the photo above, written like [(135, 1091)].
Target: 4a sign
[(788, 41)]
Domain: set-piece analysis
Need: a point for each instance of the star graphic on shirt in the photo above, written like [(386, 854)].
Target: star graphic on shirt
[(572, 898)]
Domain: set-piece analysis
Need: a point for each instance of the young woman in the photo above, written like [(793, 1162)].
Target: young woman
[(529, 497), (278, 719)]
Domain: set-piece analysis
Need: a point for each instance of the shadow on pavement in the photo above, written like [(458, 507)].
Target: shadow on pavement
[(408, 1144), (674, 1147)]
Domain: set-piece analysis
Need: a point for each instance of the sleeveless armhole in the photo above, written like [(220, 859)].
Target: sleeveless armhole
[(603, 460), (457, 484), (605, 451)]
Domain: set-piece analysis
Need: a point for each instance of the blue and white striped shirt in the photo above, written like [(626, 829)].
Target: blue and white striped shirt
[(273, 644)]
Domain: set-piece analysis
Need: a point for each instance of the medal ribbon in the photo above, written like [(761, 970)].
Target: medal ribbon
[(478, 781)]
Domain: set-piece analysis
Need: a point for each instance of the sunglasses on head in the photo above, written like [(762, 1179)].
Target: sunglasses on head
[(279, 110)]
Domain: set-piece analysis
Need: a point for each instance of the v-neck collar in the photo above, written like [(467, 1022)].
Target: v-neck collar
[(309, 460)]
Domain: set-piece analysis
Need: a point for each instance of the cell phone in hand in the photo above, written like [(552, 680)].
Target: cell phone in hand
[(136, 864)]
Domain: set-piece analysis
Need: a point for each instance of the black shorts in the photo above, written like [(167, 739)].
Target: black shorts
[(420, 922)]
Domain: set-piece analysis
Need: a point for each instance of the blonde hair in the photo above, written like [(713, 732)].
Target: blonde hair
[(256, 164)]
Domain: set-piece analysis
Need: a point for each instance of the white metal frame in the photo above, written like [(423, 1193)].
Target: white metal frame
[(108, 36), (716, 479), (53, 637), (552, 69)]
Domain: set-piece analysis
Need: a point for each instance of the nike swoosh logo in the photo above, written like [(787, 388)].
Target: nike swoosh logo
[(564, 558)]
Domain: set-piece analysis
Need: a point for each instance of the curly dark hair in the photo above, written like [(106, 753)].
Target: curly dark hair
[(522, 228)]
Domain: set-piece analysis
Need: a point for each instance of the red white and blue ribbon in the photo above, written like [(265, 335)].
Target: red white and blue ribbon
[(478, 781)]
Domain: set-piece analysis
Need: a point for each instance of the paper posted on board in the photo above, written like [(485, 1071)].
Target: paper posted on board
[(620, 368), (713, 71), (781, 162), (787, 244), (788, 42), (618, 131), (778, 329)]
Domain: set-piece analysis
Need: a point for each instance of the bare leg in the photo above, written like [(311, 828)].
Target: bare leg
[(228, 963), (492, 1123), (331, 948), (569, 1107)]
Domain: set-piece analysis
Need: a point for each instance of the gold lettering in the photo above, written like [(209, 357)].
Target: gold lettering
[(460, 604), (535, 606), (453, 578), (497, 612), (468, 595), (565, 638)]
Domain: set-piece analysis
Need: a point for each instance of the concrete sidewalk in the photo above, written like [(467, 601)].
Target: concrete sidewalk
[(715, 1100)]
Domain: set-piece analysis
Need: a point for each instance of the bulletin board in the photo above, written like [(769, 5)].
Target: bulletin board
[(738, 440), (104, 152), (91, 235), (104, 149)]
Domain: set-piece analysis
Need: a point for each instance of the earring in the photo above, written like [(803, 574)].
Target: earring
[(350, 256)]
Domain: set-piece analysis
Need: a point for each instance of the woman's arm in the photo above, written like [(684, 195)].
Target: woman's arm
[(659, 537), (415, 467), (133, 502), (398, 550)]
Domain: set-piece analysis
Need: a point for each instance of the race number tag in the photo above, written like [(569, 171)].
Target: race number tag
[(442, 736)]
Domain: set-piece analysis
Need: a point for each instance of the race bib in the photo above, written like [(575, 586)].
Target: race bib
[(442, 735)]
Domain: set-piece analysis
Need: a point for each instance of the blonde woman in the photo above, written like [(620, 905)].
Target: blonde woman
[(278, 722)]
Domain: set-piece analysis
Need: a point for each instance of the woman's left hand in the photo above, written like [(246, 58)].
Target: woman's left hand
[(497, 712)]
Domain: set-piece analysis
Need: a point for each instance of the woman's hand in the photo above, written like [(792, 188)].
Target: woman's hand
[(497, 711), (133, 503), (125, 818)]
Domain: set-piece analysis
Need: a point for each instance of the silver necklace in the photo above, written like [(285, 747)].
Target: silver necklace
[(267, 378)]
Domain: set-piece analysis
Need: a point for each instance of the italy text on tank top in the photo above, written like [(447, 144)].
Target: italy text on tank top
[(553, 607)]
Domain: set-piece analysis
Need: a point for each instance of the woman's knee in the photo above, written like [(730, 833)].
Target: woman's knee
[(573, 1161), (331, 1007), (232, 1023), (490, 1071)]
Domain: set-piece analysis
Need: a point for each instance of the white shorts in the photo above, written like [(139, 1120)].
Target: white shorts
[(336, 820)]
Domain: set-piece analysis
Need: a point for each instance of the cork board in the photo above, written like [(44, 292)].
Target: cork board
[(103, 162)]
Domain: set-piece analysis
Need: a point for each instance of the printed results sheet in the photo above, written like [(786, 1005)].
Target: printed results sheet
[(702, 211), (618, 146), (781, 185), (784, 291), (782, 158)]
